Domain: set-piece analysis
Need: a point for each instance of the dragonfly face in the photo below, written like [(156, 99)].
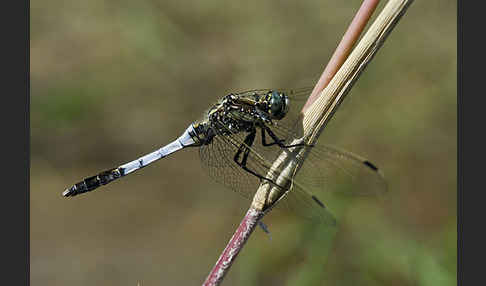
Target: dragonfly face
[(277, 104)]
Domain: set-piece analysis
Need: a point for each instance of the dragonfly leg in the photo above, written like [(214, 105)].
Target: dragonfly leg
[(248, 142), (264, 140), (277, 140)]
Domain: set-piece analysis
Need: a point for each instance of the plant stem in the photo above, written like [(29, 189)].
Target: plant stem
[(344, 48), (334, 84), (234, 247)]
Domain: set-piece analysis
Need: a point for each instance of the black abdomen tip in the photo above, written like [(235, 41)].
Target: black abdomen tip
[(93, 182), (76, 189), (68, 192)]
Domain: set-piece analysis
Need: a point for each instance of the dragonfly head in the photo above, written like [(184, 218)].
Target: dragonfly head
[(277, 104)]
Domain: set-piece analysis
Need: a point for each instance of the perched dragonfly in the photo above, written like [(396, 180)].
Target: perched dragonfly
[(239, 139)]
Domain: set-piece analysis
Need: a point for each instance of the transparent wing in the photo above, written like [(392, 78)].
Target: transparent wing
[(294, 94), (291, 92), (302, 203), (330, 169), (335, 169), (217, 160)]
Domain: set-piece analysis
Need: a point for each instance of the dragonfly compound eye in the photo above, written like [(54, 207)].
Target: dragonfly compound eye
[(278, 105)]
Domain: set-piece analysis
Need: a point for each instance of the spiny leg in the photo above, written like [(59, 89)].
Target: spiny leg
[(264, 141), (247, 143), (277, 140)]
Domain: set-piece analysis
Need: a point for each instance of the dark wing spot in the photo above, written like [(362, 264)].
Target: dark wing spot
[(318, 202), (370, 165)]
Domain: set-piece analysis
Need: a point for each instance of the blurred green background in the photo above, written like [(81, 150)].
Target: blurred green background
[(112, 80)]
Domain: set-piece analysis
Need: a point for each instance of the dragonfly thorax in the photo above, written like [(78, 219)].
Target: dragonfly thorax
[(272, 105), (237, 113)]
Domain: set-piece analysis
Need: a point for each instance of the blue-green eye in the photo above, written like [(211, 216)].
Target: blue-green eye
[(278, 105)]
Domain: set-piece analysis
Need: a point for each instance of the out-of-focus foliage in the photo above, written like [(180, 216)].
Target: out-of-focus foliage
[(112, 80)]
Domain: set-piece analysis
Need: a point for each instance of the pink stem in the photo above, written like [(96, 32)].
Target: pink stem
[(253, 216), (234, 247), (344, 48)]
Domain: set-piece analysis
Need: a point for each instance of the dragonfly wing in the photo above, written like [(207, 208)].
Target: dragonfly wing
[(330, 169), (292, 93), (327, 169), (217, 160), (300, 202)]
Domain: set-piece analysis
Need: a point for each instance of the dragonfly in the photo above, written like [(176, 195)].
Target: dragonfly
[(239, 139)]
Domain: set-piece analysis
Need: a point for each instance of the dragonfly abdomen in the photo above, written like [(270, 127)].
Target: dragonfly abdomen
[(91, 183), (88, 184)]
